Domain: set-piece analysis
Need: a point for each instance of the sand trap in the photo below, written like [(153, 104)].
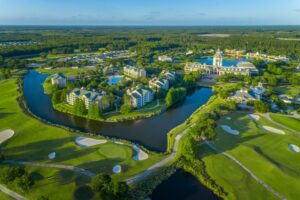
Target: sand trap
[(254, 117), (294, 148), (140, 154), (274, 130), (117, 169), (229, 130), (228, 118), (51, 155), (120, 143), (5, 135), (87, 142)]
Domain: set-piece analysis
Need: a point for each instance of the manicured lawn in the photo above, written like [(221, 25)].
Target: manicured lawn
[(266, 154), (4, 196), (289, 90), (234, 180), (33, 141), (66, 71), (290, 122)]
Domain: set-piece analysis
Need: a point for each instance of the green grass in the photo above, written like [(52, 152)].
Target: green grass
[(289, 90), (266, 154), (143, 112), (4, 196), (234, 180), (290, 122), (33, 141), (64, 70)]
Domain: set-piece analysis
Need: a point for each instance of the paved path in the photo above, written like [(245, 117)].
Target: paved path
[(11, 193), (66, 167), (247, 170), (267, 117), (162, 162)]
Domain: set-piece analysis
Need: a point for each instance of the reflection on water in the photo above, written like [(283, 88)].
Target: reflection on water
[(149, 132)]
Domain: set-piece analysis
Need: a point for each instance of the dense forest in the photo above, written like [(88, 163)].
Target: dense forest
[(147, 40)]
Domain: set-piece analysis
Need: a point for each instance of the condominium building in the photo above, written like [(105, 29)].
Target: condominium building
[(165, 58), (59, 79), (134, 72), (170, 75), (88, 97), (139, 97), (159, 83)]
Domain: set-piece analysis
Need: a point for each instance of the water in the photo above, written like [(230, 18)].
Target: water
[(182, 186), (115, 79), (226, 63), (150, 132)]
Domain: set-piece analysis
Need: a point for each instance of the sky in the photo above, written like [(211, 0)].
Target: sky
[(150, 12)]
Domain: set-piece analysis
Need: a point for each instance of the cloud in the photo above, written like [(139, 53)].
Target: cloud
[(297, 10), (202, 14)]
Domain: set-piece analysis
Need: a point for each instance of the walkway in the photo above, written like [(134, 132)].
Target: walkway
[(66, 167), (162, 162), (247, 170), (267, 117), (11, 193)]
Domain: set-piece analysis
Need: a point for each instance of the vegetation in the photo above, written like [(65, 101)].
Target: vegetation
[(261, 107), (175, 95), (94, 112), (290, 122)]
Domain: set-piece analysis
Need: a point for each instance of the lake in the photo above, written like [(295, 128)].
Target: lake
[(151, 132)]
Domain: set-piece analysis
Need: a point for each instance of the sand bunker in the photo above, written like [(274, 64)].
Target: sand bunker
[(273, 130), (140, 154), (51, 155), (294, 148), (254, 117), (228, 118), (120, 143), (87, 142), (229, 130), (117, 169), (5, 135)]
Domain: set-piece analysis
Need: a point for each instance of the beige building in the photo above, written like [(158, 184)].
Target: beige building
[(88, 97), (59, 79), (139, 97), (159, 83), (134, 72)]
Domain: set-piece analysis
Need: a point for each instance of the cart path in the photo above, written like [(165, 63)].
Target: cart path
[(11, 193)]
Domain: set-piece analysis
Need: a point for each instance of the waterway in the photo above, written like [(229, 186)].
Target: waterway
[(151, 132)]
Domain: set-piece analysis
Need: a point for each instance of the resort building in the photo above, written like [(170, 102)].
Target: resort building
[(159, 83), (258, 91), (59, 79), (139, 97), (165, 58), (243, 96), (217, 68), (170, 75), (88, 97), (134, 72)]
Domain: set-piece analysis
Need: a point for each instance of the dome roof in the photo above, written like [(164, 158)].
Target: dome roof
[(245, 65)]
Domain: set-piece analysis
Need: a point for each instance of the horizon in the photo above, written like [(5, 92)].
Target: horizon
[(154, 13)]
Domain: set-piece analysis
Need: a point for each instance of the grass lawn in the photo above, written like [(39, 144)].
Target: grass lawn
[(289, 90), (235, 181), (143, 112), (33, 141), (4, 196), (290, 122), (64, 70), (266, 154)]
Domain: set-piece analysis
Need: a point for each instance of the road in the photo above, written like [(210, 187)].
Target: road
[(11, 193), (162, 162), (66, 167), (247, 170)]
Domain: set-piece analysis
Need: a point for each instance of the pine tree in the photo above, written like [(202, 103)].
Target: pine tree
[(94, 111), (79, 107)]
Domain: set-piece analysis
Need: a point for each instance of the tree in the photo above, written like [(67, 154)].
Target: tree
[(120, 190), (10, 174), (43, 55), (175, 95), (94, 111), (262, 107), (102, 183), (25, 182), (125, 109), (56, 97), (79, 107)]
